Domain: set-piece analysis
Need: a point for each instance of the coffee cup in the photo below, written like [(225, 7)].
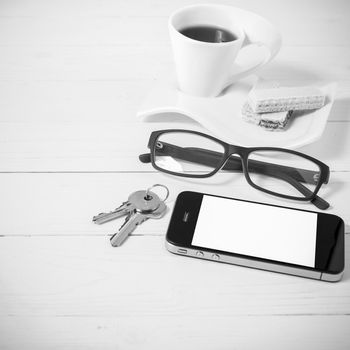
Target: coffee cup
[(216, 45)]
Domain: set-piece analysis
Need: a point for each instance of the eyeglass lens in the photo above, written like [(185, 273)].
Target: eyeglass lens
[(283, 173), (276, 171), (187, 153)]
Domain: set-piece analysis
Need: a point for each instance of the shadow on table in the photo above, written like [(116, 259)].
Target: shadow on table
[(330, 146), (295, 73), (170, 118), (329, 190), (346, 275), (340, 110)]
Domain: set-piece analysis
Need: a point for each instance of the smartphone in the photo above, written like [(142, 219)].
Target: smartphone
[(257, 235)]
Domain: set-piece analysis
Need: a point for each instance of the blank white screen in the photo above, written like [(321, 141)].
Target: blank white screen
[(257, 230)]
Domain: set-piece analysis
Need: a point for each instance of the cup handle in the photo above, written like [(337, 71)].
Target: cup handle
[(259, 34)]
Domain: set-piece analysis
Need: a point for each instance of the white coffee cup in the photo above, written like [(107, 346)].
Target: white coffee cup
[(205, 69)]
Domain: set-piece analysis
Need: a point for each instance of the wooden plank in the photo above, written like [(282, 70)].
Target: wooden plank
[(155, 8), (68, 22), (107, 100), (67, 101), (71, 78), (64, 204), (115, 146), (176, 331), (86, 277), (145, 61)]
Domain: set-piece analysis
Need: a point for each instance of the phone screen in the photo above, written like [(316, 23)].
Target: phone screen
[(256, 230)]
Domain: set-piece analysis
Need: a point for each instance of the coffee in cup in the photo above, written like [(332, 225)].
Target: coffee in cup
[(208, 34), (206, 40)]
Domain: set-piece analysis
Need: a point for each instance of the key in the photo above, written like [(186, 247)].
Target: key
[(145, 201), (122, 210), (140, 206), (133, 220)]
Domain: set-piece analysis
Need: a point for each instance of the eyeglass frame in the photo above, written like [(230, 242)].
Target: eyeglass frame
[(243, 153)]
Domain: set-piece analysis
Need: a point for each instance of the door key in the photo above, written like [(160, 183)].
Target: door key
[(133, 220), (140, 206)]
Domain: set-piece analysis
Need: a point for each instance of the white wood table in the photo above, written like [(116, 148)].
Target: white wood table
[(72, 75)]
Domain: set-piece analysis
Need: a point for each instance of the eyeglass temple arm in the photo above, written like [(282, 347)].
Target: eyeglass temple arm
[(205, 157), (319, 202)]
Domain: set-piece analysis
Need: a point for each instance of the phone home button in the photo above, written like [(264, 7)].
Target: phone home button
[(215, 257), (199, 254)]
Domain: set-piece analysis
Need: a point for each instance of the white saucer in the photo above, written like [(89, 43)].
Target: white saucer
[(222, 115)]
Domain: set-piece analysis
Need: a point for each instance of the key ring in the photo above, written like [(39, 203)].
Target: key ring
[(148, 196)]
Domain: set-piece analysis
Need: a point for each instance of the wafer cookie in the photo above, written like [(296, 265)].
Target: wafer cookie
[(270, 121), (285, 99)]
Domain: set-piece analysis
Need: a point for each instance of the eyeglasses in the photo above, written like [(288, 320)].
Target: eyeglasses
[(277, 171)]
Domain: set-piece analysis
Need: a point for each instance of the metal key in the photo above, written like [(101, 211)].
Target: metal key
[(145, 201), (133, 220), (122, 210), (140, 206)]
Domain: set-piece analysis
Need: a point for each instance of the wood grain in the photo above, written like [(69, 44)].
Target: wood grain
[(64, 204), (72, 76), (175, 332), (115, 146), (86, 277)]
